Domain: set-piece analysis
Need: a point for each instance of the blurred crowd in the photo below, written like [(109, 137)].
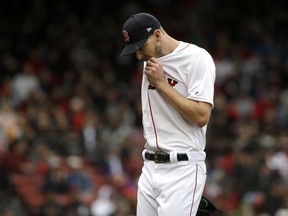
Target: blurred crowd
[(70, 109)]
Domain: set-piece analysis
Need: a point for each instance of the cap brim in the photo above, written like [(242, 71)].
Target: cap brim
[(131, 48)]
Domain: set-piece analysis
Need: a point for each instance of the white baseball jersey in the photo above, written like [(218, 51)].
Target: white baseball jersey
[(175, 188), (191, 71)]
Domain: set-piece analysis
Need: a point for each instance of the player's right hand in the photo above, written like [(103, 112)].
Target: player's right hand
[(155, 72)]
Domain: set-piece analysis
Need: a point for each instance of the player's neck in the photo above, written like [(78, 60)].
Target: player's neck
[(170, 45)]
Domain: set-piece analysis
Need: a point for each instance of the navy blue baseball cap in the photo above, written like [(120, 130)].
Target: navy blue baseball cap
[(136, 31)]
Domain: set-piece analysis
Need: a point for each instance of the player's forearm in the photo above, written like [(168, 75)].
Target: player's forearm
[(192, 111)]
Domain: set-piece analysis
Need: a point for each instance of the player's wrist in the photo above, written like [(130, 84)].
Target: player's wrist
[(162, 86)]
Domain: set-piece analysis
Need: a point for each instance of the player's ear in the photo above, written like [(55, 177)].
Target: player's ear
[(157, 35)]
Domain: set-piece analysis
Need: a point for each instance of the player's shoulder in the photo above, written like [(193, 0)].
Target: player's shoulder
[(193, 48), (198, 53)]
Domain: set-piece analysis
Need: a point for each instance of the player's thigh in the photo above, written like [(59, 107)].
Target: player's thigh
[(182, 190), (146, 203)]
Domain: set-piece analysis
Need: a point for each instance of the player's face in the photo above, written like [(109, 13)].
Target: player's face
[(150, 49)]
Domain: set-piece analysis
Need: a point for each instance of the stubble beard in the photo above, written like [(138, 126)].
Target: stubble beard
[(158, 52)]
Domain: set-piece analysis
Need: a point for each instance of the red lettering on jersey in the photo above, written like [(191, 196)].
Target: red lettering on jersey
[(150, 87), (172, 82), (126, 36)]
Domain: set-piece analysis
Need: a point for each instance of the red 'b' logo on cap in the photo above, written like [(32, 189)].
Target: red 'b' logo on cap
[(126, 36)]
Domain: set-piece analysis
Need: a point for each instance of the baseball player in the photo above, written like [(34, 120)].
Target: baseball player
[(177, 98)]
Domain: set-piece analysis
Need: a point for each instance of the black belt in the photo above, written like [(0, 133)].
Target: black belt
[(162, 157)]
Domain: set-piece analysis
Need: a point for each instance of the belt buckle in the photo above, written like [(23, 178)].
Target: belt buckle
[(159, 157)]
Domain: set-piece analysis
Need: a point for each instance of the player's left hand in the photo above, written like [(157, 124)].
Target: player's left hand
[(155, 72)]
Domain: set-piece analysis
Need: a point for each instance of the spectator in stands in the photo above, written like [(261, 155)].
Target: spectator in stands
[(56, 180), (24, 84), (17, 159), (79, 180), (50, 207)]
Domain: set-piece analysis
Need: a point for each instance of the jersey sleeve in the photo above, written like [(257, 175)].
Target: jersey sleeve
[(201, 78)]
